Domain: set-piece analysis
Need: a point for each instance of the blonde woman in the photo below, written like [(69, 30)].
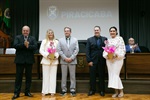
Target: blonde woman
[(49, 65)]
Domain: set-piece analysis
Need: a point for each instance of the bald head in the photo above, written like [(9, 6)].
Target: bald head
[(25, 30), (131, 41)]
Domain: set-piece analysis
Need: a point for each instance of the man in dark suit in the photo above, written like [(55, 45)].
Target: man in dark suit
[(25, 46), (132, 47), (96, 62)]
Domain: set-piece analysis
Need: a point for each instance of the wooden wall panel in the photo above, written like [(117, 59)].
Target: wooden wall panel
[(135, 64), (138, 63), (7, 65)]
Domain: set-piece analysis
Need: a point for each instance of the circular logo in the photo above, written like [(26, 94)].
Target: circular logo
[(7, 13), (52, 12)]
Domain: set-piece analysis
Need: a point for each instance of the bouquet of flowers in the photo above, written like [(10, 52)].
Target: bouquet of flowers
[(51, 50), (110, 49)]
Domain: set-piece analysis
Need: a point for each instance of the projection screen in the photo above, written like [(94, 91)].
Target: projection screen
[(80, 15)]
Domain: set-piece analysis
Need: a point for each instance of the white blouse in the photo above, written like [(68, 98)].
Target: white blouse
[(118, 42)]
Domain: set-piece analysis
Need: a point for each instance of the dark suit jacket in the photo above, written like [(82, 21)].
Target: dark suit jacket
[(136, 50), (23, 54), (93, 53)]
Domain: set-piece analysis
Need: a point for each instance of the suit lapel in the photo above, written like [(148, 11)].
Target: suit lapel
[(70, 41), (129, 47), (94, 40), (65, 42), (29, 39), (22, 39), (102, 40)]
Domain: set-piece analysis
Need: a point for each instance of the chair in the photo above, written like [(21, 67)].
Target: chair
[(10, 51), (144, 49)]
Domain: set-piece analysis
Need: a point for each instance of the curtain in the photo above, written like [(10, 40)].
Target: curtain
[(134, 20), (25, 12)]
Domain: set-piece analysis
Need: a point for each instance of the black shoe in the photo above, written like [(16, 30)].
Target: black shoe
[(102, 93), (63, 93), (73, 93), (91, 93), (15, 96), (28, 94)]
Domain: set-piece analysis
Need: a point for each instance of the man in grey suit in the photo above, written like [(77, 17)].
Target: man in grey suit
[(68, 49)]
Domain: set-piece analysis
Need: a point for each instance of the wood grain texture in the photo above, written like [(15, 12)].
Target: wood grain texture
[(79, 96), (8, 66), (136, 66), (138, 63)]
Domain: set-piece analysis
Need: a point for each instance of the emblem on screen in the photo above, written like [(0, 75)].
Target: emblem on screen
[(52, 12)]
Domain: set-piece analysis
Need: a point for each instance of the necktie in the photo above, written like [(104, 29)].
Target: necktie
[(68, 42), (98, 43)]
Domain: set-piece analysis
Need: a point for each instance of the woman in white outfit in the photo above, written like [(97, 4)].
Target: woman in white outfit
[(114, 65), (49, 66)]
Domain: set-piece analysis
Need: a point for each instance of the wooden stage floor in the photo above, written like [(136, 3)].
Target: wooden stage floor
[(79, 96)]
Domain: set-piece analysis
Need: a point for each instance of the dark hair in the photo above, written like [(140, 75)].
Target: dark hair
[(67, 28), (97, 27), (113, 28)]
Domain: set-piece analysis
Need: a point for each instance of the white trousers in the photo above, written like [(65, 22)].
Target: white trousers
[(49, 78)]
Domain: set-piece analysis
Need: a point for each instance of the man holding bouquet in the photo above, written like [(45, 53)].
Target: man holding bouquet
[(68, 50), (95, 60)]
